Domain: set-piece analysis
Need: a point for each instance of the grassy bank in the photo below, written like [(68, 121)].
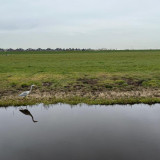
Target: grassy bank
[(98, 77), (77, 100)]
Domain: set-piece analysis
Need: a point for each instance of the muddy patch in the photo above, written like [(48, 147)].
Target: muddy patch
[(88, 81), (47, 84), (133, 82)]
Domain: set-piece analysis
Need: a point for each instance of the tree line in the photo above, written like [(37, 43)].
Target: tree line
[(50, 49)]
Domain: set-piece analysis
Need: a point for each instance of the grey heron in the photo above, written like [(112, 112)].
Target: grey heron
[(24, 94)]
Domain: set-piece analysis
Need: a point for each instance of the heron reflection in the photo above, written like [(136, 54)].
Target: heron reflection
[(27, 112)]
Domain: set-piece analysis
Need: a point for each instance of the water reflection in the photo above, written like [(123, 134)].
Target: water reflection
[(27, 112), (80, 132)]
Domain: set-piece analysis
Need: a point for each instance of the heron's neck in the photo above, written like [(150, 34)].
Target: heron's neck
[(33, 118)]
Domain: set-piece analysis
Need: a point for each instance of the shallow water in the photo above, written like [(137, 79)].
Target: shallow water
[(81, 132)]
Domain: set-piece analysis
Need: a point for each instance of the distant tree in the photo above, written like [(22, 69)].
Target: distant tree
[(39, 49), (19, 49), (29, 49), (48, 49)]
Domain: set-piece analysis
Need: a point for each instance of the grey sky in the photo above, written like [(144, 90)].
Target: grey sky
[(121, 24)]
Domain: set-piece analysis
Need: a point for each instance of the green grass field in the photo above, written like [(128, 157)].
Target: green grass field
[(80, 71)]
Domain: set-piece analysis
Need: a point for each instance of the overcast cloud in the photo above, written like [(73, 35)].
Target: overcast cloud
[(121, 24)]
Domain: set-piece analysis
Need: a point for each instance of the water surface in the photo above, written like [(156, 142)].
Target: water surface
[(64, 132)]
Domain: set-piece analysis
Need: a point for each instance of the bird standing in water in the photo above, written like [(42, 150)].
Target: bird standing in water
[(26, 93)]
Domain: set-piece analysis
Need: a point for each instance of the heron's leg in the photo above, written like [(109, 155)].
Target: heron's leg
[(21, 106)]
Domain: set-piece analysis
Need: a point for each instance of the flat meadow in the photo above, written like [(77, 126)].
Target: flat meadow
[(93, 75)]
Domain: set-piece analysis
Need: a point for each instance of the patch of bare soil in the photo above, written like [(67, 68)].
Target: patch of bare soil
[(133, 82), (47, 84), (88, 81)]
